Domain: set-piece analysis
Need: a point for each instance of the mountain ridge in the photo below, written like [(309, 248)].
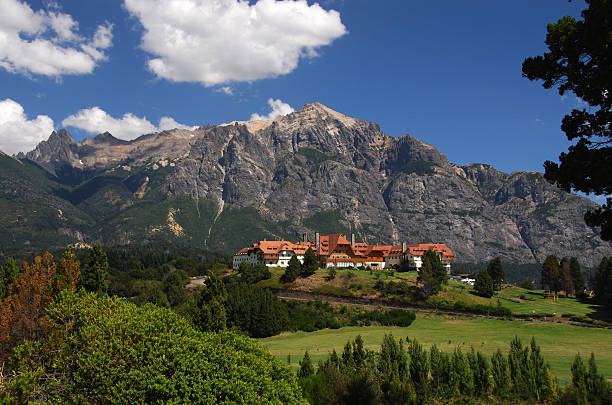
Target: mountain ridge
[(314, 169)]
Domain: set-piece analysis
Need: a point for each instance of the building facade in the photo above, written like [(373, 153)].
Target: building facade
[(336, 250)]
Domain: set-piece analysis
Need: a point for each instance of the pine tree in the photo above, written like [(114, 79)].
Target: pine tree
[(306, 367), (484, 284), (577, 277), (94, 274), (359, 354), (501, 375), (432, 274), (8, 274), (550, 273), (419, 370), (579, 378), (311, 264), (496, 271), (293, 270), (539, 382), (566, 277), (602, 283)]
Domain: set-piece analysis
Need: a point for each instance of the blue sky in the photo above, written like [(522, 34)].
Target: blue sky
[(446, 72)]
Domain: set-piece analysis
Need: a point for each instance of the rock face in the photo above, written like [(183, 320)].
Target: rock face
[(315, 170)]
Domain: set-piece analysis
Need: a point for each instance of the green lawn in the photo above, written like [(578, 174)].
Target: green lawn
[(559, 342)]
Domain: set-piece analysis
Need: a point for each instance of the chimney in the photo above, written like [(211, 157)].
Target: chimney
[(317, 238), (352, 240), (303, 237), (403, 247)]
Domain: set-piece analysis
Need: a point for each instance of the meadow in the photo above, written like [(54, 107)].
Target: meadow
[(559, 342)]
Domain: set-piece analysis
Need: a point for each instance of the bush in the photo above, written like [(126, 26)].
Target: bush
[(107, 350)]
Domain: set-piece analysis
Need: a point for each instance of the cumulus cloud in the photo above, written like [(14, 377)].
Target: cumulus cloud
[(222, 41), (278, 108), (17, 132), (95, 120), (47, 42)]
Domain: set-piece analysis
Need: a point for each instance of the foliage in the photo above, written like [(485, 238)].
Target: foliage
[(306, 367), (293, 270), (8, 274), (496, 271), (565, 277), (22, 312), (483, 284), (550, 273), (316, 315), (432, 274), (579, 60), (310, 264), (577, 277), (255, 310), (588, 386), (107, 350), (602, 283), (251, 274), (94, 272), (527, 285)]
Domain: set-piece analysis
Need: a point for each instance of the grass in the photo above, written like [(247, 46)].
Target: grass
[(559, 342)]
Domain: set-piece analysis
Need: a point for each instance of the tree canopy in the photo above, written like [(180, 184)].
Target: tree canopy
[(579, 60)]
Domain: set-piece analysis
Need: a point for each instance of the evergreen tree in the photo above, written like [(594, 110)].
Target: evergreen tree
[(419, 370), (501, 375), (550, 273), (598, 389), (311, 264), (566, 277), (540, 383), (94, 274), (359, 354), (306, 367), (432, 274), (484, 284), (518, 361), (439, 366), (579, 378), (461, 377), (579, 60), (602, 283), (481, 371), (8, 274), (577, 277), (293, 270), (347, 356), (496, 271)]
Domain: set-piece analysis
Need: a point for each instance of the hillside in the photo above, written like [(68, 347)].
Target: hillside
[(312, 170)]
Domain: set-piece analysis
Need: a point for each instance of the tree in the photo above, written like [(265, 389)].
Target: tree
[(311, 264), (565, 277), (550, 273), (292, 271), (577, 277), (8, 274), (94, 274), (496, 271), (527, 284), (602, 283), (579, 60), (483, 284), (432, 274), (306, 367), (501, 375)]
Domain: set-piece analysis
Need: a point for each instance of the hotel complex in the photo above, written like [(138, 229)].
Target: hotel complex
[(337, 251)]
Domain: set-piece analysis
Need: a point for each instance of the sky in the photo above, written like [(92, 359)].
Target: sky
[(446, 72)]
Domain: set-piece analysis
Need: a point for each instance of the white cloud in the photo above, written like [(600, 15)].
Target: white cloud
[(47, 42), (225, 90), (278, 108), (221, 41), (17, 133), (95, 120)]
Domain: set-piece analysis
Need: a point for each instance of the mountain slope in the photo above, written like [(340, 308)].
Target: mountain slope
[(311, 170)]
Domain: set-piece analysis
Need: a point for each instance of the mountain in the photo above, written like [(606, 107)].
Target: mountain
[(312, 170)]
